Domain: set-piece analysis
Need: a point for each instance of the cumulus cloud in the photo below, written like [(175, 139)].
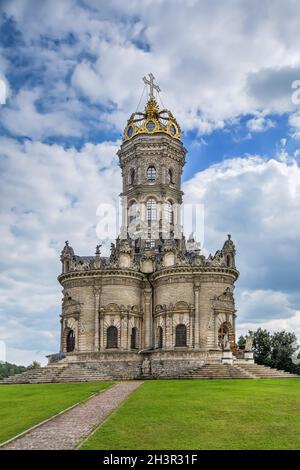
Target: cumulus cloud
[(271, 88), (294, 122), (23, 118), (243, 64), (3, 92), (258, 201), (259, 124), (48, 195)]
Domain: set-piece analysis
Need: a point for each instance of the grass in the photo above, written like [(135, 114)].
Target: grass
[(23, 406), (205, 414)]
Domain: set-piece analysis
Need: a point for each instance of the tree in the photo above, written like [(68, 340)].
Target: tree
[(283, 345), (262, 346), (7, 369), (273, 350), (241, 342)]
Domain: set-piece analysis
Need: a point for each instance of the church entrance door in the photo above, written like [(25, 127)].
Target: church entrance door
[(70, 341)]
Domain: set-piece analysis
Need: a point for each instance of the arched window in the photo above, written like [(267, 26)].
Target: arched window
[(170, 176), (169, 212), (71, 341), (112, 337), (132, 177), (151, 173), (228, 261), (180, 335), (160, 337), (132, 213), (151, 209), (133, 338)]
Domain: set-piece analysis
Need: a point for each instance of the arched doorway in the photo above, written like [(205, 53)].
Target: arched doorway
[(112, 337), (180, 335), (133, 338), (70, 341), (223, 336)]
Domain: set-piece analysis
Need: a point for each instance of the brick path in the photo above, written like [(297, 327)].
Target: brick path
[(69, 429)]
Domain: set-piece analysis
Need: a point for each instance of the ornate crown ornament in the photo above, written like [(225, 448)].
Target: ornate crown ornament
[(152, 120)]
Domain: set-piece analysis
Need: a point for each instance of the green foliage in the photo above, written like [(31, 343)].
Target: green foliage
[(7, 369), (241, 342), (262, 346), (275, 350)]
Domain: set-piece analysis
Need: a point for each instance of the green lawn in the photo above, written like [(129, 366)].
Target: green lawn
[(205, 414), (23, 406)]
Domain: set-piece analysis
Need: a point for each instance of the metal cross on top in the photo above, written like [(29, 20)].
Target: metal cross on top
[(152, 85)]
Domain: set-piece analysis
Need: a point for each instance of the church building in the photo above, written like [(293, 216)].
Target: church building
[(156, 306)]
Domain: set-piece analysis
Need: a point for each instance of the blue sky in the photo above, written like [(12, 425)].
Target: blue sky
[(72, 74)]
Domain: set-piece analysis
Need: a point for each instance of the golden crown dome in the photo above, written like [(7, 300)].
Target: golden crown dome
[(152, 120)]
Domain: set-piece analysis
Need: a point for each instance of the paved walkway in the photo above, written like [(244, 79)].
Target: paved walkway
[(67, 430)]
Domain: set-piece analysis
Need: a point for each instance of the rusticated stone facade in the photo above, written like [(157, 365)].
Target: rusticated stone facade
[(156, 304)]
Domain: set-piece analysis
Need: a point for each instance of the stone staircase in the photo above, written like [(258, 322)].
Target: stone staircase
[(235, 371), (58, 374), (91, 372), (265, 372)]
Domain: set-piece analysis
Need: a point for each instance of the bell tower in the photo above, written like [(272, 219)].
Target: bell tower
[(151, 157)]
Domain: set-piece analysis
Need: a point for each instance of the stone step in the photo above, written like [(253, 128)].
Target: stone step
[(81, 372)]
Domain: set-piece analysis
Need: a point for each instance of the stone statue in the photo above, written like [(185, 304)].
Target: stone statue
[(225, 341), (146, 367), (249, 343)]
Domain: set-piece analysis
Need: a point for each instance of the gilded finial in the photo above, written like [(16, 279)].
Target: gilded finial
[(153, 120)]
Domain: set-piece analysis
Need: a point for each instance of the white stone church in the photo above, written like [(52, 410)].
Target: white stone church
[(156, 299)]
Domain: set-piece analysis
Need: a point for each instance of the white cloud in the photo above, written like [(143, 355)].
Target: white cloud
[(3, 92), (294, 122), (271, 310), (260, 124), (23, 119), (213, 61), (48, 195), (258, 201)]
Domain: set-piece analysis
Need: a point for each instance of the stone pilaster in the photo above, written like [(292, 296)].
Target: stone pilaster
[(169, 332), (147, 317), (197, 314), (102, 333), (97, 295)]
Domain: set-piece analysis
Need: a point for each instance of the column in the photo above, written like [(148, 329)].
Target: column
[(197, 314), (165, 331), (148, 317), (61, 335), (97, 293), (169, 335), (124, 320), (76, 336), (102, 332), (216, 329)]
